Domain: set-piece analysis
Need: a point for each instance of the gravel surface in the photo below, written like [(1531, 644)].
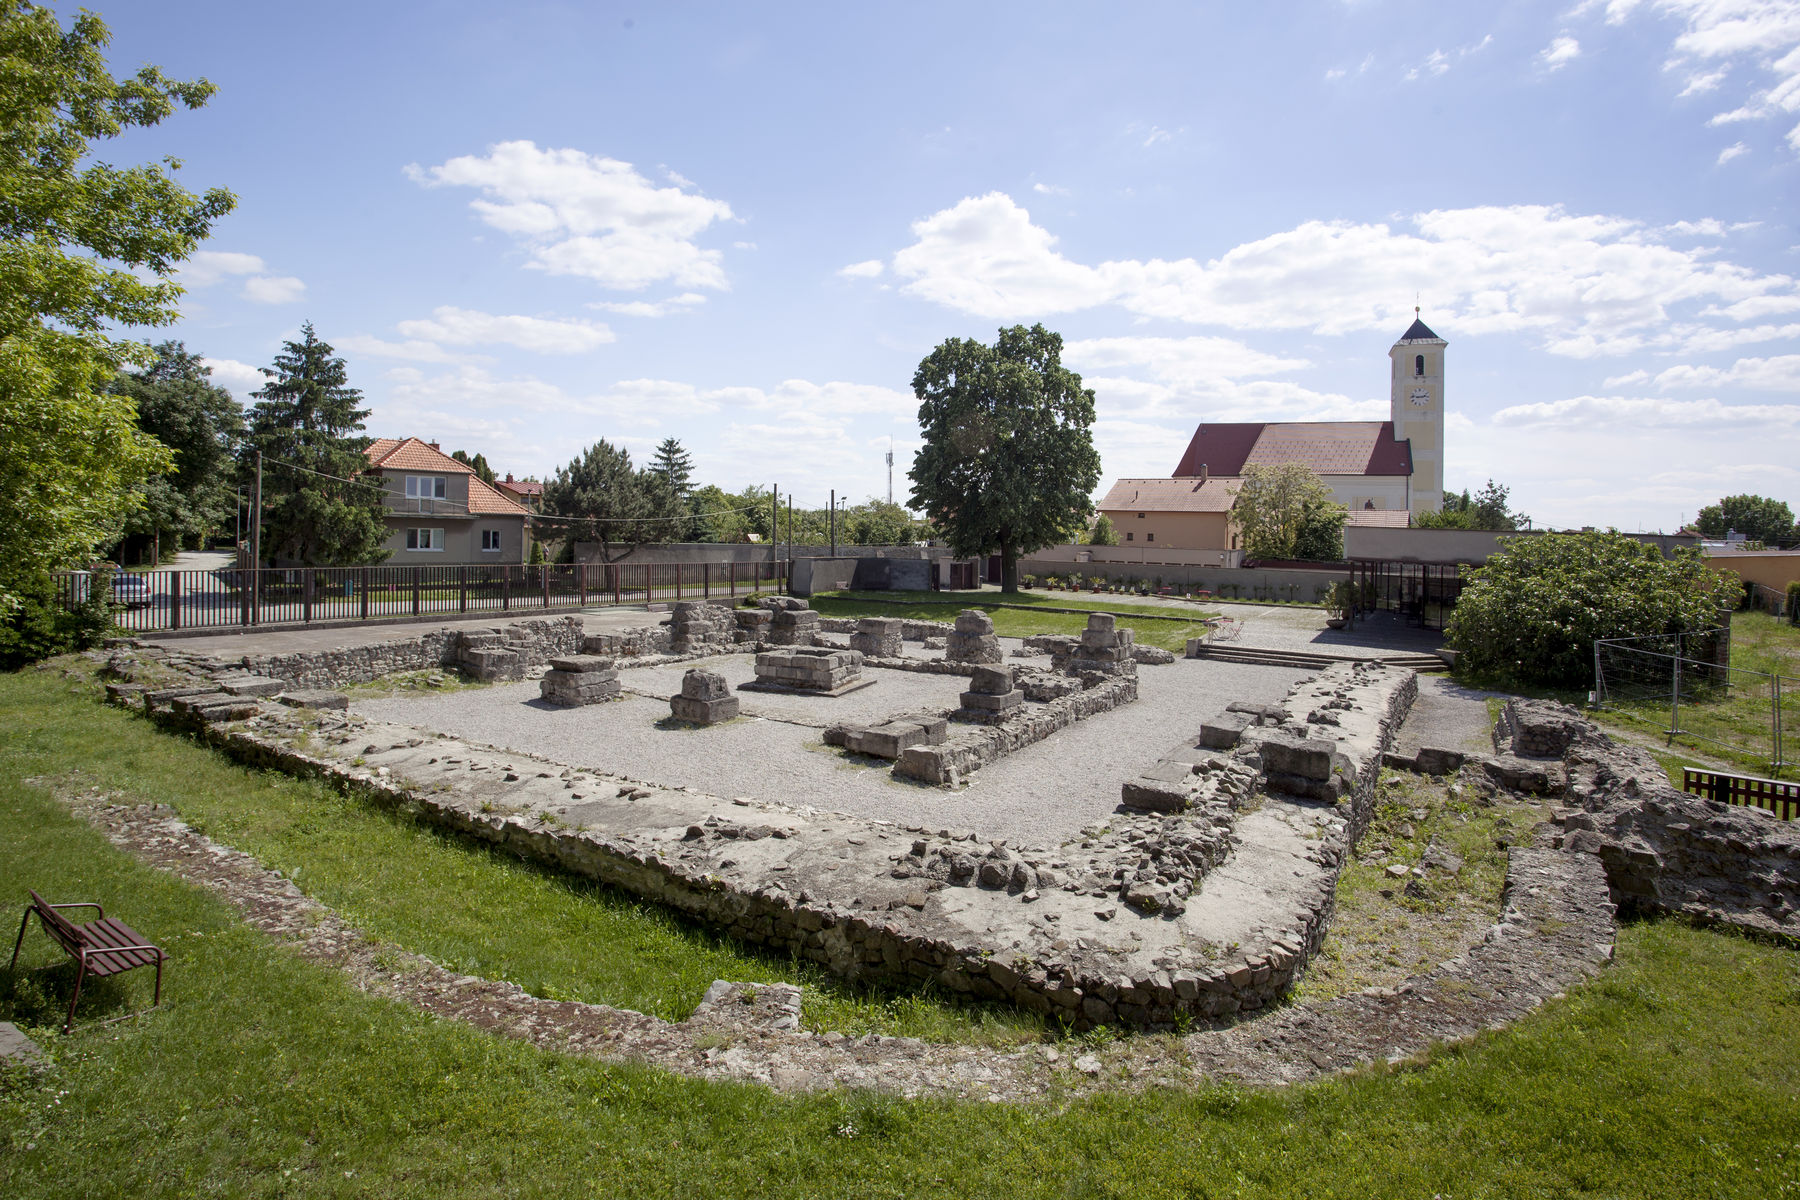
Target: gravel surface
[(1447, 716), (1042, 794)]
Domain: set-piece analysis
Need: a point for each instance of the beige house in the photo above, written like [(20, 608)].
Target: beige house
[(439, 512), (1173, 514)]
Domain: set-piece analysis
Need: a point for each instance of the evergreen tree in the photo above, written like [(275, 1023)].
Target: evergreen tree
[(675, 466), (618, 503), (477, 464), (308, 424)]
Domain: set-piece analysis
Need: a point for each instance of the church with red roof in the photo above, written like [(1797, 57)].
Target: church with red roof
[(1382, 472)]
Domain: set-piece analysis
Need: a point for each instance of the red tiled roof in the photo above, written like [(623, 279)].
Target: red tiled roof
[(1324, 447), (492, 501), (1214, 495), (520, 487), (410, 454)]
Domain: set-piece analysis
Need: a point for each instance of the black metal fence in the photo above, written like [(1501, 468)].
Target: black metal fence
[(153, 601)]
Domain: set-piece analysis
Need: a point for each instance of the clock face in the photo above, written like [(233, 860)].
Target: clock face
[(1421, 397)]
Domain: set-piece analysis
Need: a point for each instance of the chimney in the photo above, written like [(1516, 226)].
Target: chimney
[(1203, 473), (509, 477), (433, 445)]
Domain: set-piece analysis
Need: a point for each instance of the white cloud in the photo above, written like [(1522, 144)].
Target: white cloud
[(1560, 53), (1436, 63), (544, 335), (1180, 361), (1157, 136), (1629, 379), (585, 215), (651, 308), (237, 376), (1591, 285), (1763, 35), (1731, 152), (273, 289), (862, 270), (208, 267), (1780, 373), (409, 351), (1640, 413), (1049, 189), (743, 245)]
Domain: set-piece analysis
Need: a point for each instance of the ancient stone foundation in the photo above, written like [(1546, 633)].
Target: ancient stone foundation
[(577, 679), (794, 627), (696, 627), (890, 738), (878, 637), (991, 696), (811, 670), (705, 699), (973, 640)]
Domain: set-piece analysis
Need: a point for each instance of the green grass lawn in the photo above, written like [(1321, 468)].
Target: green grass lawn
[(472, 908), (1675, 1074), (1163, 626)]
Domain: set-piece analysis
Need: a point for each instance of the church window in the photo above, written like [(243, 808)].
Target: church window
[(1419, 364)]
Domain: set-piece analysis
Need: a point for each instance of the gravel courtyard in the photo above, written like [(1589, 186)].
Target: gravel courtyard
[(1040, 795)]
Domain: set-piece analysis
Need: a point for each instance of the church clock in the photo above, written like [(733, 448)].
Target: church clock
[(1421, 397)]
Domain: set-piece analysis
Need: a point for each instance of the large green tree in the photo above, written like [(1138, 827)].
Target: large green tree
[(1286, 511), (675, 466), (87, 251), (308, 424), (1008, 461), (1756, 517), (179, 405), (617, 503), (1531, 614)]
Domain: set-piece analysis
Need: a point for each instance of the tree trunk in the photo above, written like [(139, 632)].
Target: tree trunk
[(1009, 568)]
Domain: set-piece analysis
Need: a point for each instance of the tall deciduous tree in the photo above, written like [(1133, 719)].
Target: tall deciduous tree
[(86, 249), (1286, 511), (619, 504), (308, 424), (1756, 517), (1008, 461), (180, 406)]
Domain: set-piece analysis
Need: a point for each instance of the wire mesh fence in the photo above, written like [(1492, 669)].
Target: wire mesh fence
[(1683, 686), (154, 601)]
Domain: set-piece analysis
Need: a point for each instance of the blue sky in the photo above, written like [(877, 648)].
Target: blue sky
[(533, 225)]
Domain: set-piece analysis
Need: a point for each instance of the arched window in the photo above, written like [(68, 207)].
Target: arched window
[(1419, 365)]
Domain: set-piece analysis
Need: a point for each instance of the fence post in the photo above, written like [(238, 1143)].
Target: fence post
[(1675, 695), (545, 569), (581, 583), (362, 584), (706, 581), (175, 602), (505, 589), (462, 588), (734, 578), (1775, 718), (415, 581), (307, 578), (618, 585), (678, 581), (1599, 679)]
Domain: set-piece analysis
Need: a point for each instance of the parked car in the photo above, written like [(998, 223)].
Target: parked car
[(128, 590)]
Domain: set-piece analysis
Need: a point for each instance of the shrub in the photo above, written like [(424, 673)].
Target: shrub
[(1793, 603), (38, 626), (1533, 612)]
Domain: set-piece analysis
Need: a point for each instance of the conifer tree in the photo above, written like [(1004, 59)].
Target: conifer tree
[(675, 466), (308, 424)]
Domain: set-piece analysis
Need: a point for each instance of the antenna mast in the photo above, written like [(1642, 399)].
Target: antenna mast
[(890, 462)]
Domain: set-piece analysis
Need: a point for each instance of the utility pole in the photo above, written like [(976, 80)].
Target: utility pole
[(775, 527), (256, 546), (890, 460), (834, 522)]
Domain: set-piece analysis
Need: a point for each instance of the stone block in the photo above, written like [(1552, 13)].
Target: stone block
[(982, 702), (1284, 754), (313, 698), (572, 689), (991, 681), (1154, 795), (704, 685), (1434, 760), (1533, 777), (972, 648), (581, 664), (887, 741), (703, 711), (794, 627), (1224, 731), (879, 637), (251, 685), (1100, 623), (490, 665), (973, 620)]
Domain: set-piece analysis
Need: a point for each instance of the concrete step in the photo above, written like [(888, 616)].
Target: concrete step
[(1312, 659)]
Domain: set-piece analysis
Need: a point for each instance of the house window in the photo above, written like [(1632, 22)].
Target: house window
[(1129, 535), (1419, 364), (424, 487), (424, 539), (1149, 537), (490, 539), (1140, 516)]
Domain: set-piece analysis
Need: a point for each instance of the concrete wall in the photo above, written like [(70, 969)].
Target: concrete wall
[(1461, 545), (812, 575), (1266, 583), (1771, 568), (1069, 556), (743, 552)]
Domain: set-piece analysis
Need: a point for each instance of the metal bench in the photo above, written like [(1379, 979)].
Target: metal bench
[(101, 947)]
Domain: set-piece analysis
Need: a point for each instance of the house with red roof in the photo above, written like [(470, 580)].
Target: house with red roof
[(529, 492), (1382, 472), (439, 512)]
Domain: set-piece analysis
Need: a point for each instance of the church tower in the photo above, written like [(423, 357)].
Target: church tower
[(1418, 408)]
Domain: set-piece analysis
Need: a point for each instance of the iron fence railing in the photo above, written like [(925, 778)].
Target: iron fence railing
[(154, 601), (1682, 685)]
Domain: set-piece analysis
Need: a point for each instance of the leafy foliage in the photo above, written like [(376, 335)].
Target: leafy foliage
[(1533, 612), (1008, 461), (308, 426), (85, 248), (179, 405), (1103, 533), (1756, 517), (1485, 510), (620, 504), (37, 626), (1286, 511)]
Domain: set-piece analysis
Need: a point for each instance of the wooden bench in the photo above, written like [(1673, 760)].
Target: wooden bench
[(101, 947)]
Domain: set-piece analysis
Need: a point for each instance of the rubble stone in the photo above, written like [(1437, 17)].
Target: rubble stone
[(577, 679), (705, 698), (878, 637), (973, 640)]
